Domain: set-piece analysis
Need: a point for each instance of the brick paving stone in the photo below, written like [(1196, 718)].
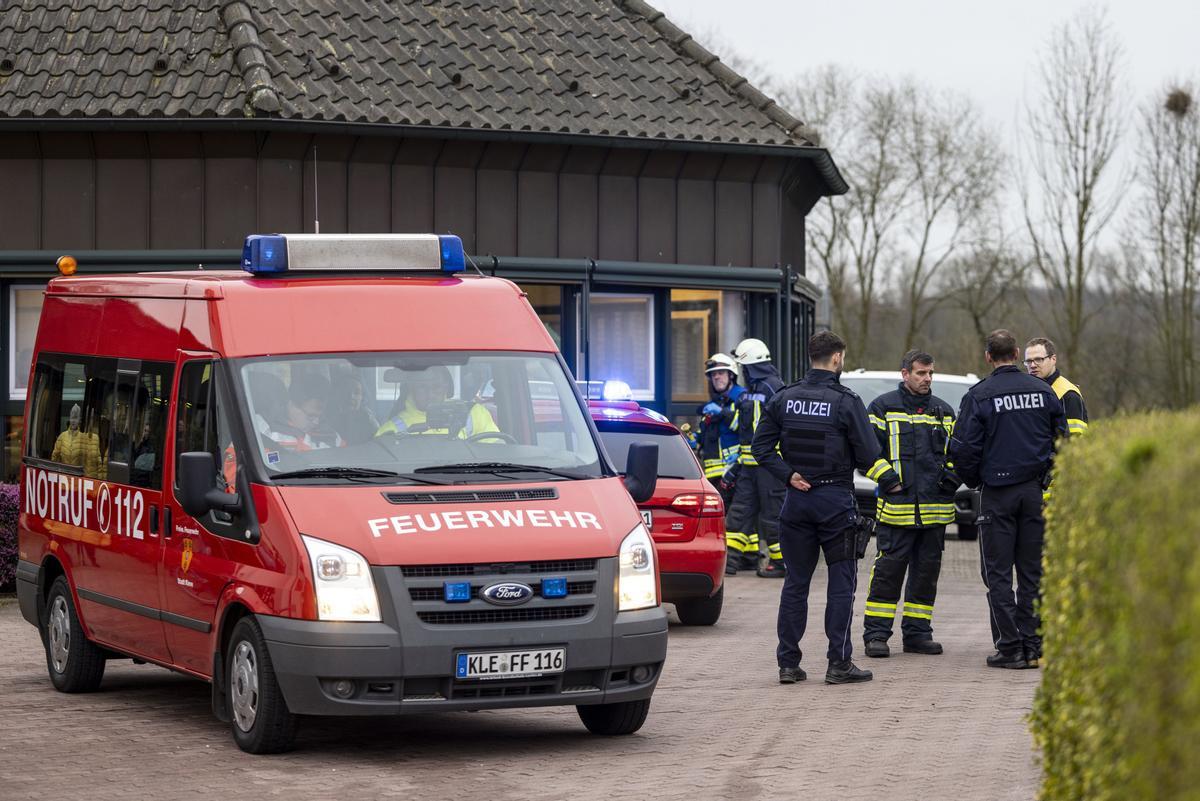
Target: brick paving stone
[(720, 726)]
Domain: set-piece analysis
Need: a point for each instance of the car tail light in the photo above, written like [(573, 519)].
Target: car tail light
[(699, 505)]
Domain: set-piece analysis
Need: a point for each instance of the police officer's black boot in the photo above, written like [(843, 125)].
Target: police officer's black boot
[(1013, 660), (877, 649), (791, 675), (846, 673)]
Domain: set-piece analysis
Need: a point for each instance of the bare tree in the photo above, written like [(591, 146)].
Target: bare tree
[(984, 281), (955, 163), (1164, 233), (853, 238), (1074, 131)]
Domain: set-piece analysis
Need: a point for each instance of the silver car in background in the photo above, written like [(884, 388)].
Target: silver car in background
[(870, 384)]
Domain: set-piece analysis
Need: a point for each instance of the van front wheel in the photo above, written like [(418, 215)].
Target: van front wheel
[(260, 718), (625, 717), (76, 664)]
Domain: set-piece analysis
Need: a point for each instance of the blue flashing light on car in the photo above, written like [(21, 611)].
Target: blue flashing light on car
[(454, 258), (456, 592)]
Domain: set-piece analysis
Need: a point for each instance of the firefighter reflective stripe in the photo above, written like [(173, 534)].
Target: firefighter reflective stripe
[(918, 610), (916, 419), (746, 543), (714, 468), (937, 513), (878, 469), (746, 457), (877, 422), (1076, 426), (894, 440), (877, 609), (774, 551), (733, 424)]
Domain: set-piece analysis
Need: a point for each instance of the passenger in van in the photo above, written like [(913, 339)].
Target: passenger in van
[(353, 420), (304, 429), (145, 457), (77, 447), (431, 386)]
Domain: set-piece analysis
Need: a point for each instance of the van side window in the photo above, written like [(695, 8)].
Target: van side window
[(202, 425), (71, 418), (149, 424)]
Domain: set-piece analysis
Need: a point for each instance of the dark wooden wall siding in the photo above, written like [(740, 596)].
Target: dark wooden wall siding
[(118, 191)]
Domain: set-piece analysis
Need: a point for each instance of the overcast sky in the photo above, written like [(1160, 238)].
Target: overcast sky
[(986, 50)]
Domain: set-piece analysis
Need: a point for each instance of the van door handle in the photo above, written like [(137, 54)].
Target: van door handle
[(153, 519), (167, 530)]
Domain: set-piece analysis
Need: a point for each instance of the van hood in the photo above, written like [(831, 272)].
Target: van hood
[(587, 519)]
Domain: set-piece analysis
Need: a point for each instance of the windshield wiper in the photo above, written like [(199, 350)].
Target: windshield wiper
[(351, 472), (498, 467)]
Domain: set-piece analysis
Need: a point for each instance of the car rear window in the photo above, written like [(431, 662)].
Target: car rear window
[(675, 458)]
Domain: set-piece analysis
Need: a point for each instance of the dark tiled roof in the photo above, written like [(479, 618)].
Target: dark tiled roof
[(601, 67)]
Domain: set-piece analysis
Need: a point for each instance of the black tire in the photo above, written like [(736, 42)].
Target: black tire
[(701, 611), (76, 665), (967, 531), (259, 717), (612, 720)]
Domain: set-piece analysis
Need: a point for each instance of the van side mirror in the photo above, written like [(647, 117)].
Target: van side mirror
[(641, 471), (198, 493)]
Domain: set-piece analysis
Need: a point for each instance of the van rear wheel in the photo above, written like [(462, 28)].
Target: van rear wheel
[(624, 717), (76, 664), (260, 718), (701, 611)]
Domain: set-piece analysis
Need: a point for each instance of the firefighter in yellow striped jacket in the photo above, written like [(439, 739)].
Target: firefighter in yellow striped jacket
[(1041, 359), (914, 428)]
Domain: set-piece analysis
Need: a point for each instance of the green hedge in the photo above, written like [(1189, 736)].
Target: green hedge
[(1117, 715)]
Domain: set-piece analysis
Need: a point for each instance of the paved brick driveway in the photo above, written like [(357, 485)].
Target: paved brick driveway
[(927, 728)]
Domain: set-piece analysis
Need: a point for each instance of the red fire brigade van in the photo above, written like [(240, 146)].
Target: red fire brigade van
[(287, 481)]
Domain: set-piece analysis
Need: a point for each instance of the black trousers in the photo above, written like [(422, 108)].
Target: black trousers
[(1011, 536), (813, 522), (757, 501), (917, 552)]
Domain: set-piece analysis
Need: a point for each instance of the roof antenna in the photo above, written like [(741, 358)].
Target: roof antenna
[(316, 197)]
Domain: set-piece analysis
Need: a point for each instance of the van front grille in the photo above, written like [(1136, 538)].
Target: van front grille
[(438, 593), (499, 570), (473, 496), (478, 616)]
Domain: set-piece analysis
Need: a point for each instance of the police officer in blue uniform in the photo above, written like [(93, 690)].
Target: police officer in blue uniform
[(822, 433), (1004, 443)]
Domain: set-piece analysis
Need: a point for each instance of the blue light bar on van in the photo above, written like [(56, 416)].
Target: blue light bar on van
[(273, 254)]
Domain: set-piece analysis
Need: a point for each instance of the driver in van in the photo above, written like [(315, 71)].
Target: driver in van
[(427, 388)]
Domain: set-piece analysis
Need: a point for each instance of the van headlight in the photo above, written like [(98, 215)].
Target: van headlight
[(637, 586), (342, 578)]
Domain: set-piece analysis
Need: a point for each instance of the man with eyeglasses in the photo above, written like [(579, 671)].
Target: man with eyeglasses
[(1041, 360)]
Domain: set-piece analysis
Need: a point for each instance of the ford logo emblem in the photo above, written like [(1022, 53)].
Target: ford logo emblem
[(507, 593)]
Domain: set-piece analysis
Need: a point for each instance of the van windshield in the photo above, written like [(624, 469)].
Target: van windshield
[(433, 417)]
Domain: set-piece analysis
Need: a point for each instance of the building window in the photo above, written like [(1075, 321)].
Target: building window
[(695, 330), (24, 310), (621, 340)]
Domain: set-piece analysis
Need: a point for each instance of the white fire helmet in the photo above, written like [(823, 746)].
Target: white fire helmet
[(751, 351), (718, 362)]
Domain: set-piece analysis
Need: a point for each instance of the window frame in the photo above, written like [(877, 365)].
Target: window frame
[(15, 394)]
